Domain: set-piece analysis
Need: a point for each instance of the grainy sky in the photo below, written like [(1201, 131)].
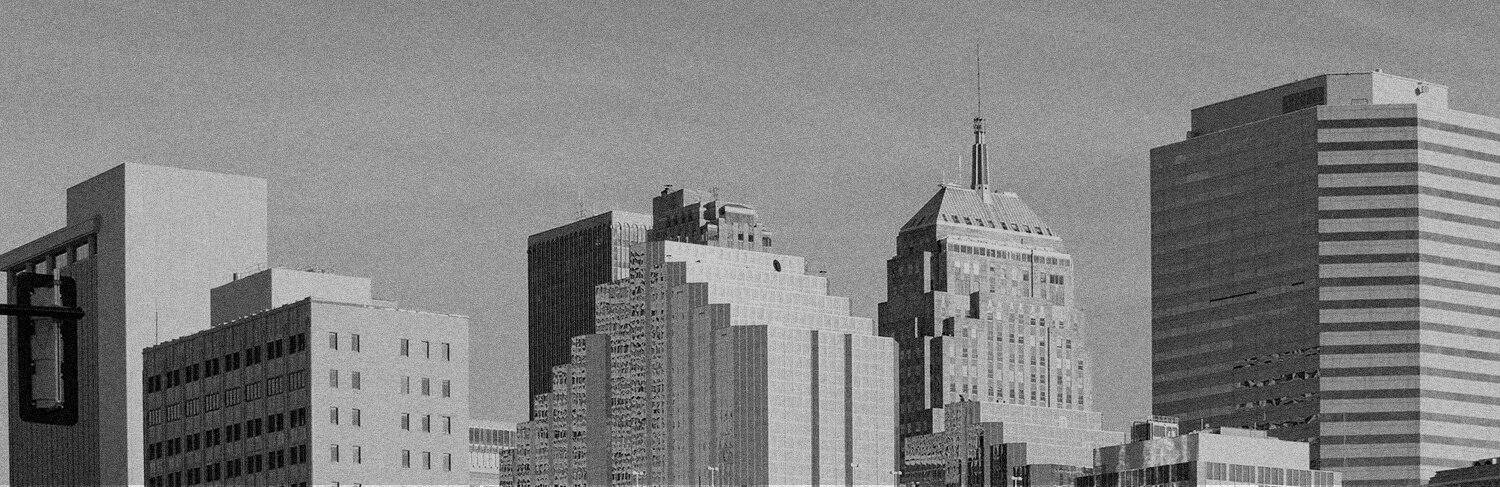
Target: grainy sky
[(420, 143)]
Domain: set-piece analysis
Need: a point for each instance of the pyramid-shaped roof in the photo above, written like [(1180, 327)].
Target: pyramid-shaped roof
[(963, 206)]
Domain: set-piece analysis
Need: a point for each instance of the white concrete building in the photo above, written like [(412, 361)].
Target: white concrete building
[(312, 392)]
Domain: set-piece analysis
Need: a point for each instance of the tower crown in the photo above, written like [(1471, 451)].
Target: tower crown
[(979, 169)]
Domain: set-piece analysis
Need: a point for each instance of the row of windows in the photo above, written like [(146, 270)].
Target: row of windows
[(447, 421), (227, 397), (426, 460), (75, 251), (426, 349), (230, 469), (1001, 254), (208, 368), (446, 386), (229, 434), (1012, 226)]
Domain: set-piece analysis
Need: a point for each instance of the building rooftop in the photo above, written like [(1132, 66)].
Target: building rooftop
[(964, 206)]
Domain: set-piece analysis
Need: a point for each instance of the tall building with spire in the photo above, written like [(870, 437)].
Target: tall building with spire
[(982, 304)]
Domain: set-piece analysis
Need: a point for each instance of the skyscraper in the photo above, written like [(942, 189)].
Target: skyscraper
[(723, 365), (145, 244), (981, 302), (1324, 268), (562, 267), (323, 386)]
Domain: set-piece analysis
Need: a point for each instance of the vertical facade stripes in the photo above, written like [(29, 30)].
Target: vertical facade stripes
[(732, 367), (1393, 375), (562, 267)]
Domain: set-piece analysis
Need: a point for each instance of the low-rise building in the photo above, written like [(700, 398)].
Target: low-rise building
[(1218, 456), (1483, 473), (312, 392), (491, 453), (997, 444)]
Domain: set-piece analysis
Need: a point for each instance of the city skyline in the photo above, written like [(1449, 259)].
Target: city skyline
[(414, 169)]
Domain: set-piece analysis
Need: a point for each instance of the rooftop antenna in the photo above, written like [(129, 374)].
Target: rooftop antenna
[(581, 213), (979, 172)]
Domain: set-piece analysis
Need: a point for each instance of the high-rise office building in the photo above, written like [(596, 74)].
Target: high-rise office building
[(981, 300), (145, 244), (1324, 268), (726, 365), (318, 391), (562, 267)]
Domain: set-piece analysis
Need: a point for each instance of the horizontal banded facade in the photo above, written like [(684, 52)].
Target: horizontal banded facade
[(1330, 274)]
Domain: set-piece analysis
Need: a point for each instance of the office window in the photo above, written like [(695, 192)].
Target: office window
[(427, 460), (426, 423), (333, 453), (354, 416), (426, 349), (447, 352), (333, 378), (354, 342), (406, 421), (333, 415), (358, 455), (405, 347), (406, 458), (448, 425), (426, 386), (354, 380), (448, 461), (447, 388), (406, 384), (333, 340)]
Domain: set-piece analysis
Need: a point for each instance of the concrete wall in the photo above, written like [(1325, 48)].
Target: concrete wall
[(272, 288)]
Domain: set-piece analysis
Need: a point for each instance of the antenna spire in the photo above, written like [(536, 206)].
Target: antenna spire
[(979, 171)]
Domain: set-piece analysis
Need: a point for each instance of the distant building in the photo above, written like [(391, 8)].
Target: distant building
[(702, 218), (311, 392), (724, 364), (981, 301), (563, 265), (1215, 457), (491, 454), (1324, 268), (145, 244), (1483, 473), (1153, 427)]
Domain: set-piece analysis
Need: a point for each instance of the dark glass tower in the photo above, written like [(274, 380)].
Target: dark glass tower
[(562, 267)]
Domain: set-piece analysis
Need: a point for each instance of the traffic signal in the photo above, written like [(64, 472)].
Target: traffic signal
[(47, 348)]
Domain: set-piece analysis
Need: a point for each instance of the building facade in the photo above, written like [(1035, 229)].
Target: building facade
[(1214, 457), (1324, 269), (312, 392), (145, 244), (981, 301), (563, 265), (726, 365)]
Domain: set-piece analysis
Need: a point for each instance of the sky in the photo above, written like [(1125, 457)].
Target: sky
[(419, 143)]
